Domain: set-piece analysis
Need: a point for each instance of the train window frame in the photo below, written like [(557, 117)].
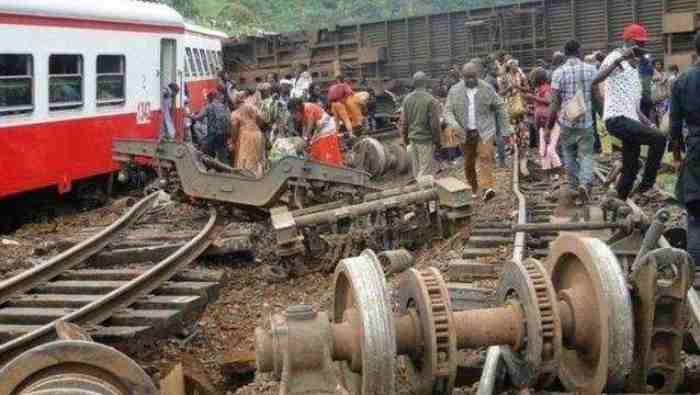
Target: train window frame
[(27, 108), (205, 62), (68, 105), (198, 62), (110, 102), (212, 61), (190, 60)]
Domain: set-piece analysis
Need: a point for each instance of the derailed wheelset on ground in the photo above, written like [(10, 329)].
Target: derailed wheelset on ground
[(571, 317), (427, 210)]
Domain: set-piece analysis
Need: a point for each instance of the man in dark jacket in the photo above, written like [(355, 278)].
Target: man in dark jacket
[(685, 108), (421, 125), (218, 121)]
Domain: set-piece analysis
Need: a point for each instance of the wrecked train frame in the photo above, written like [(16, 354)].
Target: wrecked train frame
[(227, 186)]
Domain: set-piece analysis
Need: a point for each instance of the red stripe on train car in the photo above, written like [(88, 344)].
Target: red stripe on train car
[(59, 153), (35, 20), (198, 92)]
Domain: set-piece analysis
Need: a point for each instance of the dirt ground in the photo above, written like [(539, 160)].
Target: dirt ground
[(246, 299)]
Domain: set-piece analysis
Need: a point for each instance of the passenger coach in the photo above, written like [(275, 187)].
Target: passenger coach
[(75, 75)]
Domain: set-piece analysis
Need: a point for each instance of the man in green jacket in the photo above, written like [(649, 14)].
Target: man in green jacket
[(420, 126)]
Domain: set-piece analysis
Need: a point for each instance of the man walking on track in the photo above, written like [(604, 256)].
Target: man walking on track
[(572, 94), (476, 111), (421, 125)]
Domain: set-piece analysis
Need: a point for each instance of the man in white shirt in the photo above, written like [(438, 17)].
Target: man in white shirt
[(623, 116), (301, 82), (475, 111)]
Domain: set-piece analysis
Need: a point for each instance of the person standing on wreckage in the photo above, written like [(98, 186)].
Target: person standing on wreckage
[(420, 126), (685, 110), (475, 110)]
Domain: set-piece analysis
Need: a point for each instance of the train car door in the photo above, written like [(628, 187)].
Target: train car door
[(168, 62), (168, 74)]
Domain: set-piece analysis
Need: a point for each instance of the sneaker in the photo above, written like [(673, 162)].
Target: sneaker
[(488, 195)]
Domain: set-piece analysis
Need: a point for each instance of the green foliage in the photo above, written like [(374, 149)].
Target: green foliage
[(251, 16)]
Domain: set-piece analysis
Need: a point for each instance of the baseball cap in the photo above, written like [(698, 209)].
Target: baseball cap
[(635, 32)]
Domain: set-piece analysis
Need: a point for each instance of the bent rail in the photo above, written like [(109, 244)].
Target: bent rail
[(101, 309), (74, 255)]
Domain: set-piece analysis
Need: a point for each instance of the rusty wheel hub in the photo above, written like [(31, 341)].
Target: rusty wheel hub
[(423, 294), (527, 285), (596, 312), (74, 367)]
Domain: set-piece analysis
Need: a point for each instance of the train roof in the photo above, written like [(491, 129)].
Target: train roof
[(205, 31), (119, 11)]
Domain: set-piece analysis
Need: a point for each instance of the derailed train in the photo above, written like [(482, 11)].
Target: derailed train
[(74, 76)]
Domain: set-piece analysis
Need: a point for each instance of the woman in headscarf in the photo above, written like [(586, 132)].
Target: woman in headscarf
[(549, 159), (319, 130), (513, 86), (247, 139)]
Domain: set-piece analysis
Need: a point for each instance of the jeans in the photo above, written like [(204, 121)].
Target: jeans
[(500, 148), (577, 147), (215, 146), (633, 135), (694, 231)]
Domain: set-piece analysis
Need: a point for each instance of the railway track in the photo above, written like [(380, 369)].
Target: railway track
[(475, 274), (529, 236), (112, 305)]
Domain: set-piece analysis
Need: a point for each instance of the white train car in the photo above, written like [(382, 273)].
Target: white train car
[(203, 62), (76, 74)]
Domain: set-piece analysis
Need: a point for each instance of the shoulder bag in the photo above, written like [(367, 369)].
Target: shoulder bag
[(575, 108)]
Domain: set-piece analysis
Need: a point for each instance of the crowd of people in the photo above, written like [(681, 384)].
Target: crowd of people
[(290, 116), (560, 107)]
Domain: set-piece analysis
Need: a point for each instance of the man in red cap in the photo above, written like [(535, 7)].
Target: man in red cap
[(622, 112)]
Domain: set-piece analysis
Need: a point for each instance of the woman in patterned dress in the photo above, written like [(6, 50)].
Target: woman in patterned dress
[(247, 139)]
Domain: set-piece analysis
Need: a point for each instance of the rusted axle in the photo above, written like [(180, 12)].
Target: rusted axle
[(572, 226), (329, 217), (504, 325)]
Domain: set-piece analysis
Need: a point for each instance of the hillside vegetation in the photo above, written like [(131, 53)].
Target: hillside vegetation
[(250, 16)]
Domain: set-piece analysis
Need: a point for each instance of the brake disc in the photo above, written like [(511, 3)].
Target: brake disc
[(361, 295), (424, 294), (526, 283), (74, 367), (586, 273)]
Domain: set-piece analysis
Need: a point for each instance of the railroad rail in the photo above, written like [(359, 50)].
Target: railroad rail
[(34, 305), (600, 313)]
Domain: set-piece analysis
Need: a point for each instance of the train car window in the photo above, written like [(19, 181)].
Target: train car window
[(187, 69), (205, 62), (111, 80), (198, 60), (212, 62), (190, 61), (221, 59), (16, 82), (65, 82)]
